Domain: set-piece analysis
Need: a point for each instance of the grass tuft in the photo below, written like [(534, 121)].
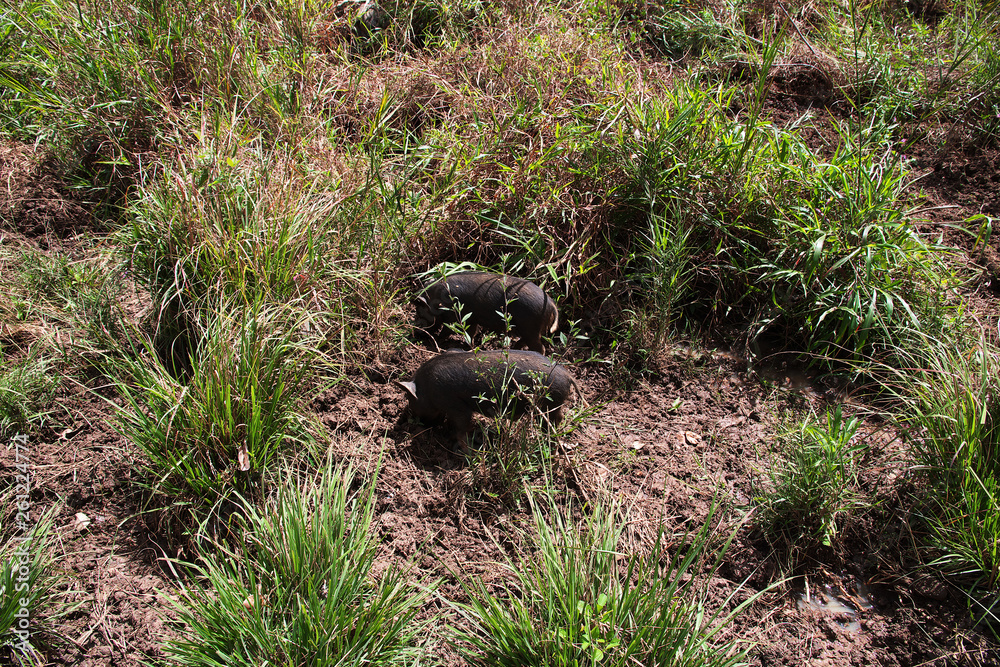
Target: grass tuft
[(27, 387), (952, 424), (580, 601), (816, 484), (298, 588), (219, 428), (30, 580)]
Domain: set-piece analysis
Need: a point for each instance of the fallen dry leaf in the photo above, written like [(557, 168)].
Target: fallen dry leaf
[(80, 521), (243, 458), (692, 438), (731, 421)]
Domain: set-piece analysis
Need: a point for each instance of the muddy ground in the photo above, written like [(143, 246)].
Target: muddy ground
[(699, 423)]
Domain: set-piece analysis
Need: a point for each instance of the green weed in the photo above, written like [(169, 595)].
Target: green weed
[(512, 453), (221, 427), (817, 253), (238, 223), (902, 69), (851, 273), (55, 285)]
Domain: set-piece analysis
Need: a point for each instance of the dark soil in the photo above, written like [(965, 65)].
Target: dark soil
[(696, 426), (38, 202)]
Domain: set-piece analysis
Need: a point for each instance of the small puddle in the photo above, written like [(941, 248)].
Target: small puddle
[(825, 601)]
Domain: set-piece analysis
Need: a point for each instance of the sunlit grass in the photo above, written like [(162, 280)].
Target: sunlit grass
[(814, 482), (219, 421), (297, 586), (27, 387), (274, 176), (578, 600), (31, 600), (952, 421)]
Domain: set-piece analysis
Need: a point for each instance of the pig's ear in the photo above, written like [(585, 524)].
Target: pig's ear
[(411, 389), (420, 299)]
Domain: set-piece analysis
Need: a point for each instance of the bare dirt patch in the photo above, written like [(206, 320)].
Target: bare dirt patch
[(35, 199), (113, 568)]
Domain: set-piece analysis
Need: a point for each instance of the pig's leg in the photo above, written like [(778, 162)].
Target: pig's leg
[(462, 422), (534, 343), (552, 414)]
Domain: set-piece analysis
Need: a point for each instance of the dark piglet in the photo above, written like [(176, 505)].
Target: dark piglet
[(490, 300), (457, 384)]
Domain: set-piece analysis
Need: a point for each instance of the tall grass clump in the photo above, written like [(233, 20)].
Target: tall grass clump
[(578, 600), (815, 484), (984, 80), (114, 81), (978, 101), (742, 224), (381, 28), (298, 587), (29, 573), (235, 221), (220, 426), (851, 274), (952, 420), (667, 276), (676, 29), (907, 64), (88, 81), (228, 219)]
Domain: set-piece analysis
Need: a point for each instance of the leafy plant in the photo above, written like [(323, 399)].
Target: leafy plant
[(852, 272), (515, 449), (512, 452), (668, 277)]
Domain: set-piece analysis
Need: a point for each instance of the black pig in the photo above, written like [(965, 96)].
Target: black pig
[(457, 384), (490, 300)]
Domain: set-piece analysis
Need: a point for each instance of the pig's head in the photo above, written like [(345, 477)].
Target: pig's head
[(428, 312), (419, 406)]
